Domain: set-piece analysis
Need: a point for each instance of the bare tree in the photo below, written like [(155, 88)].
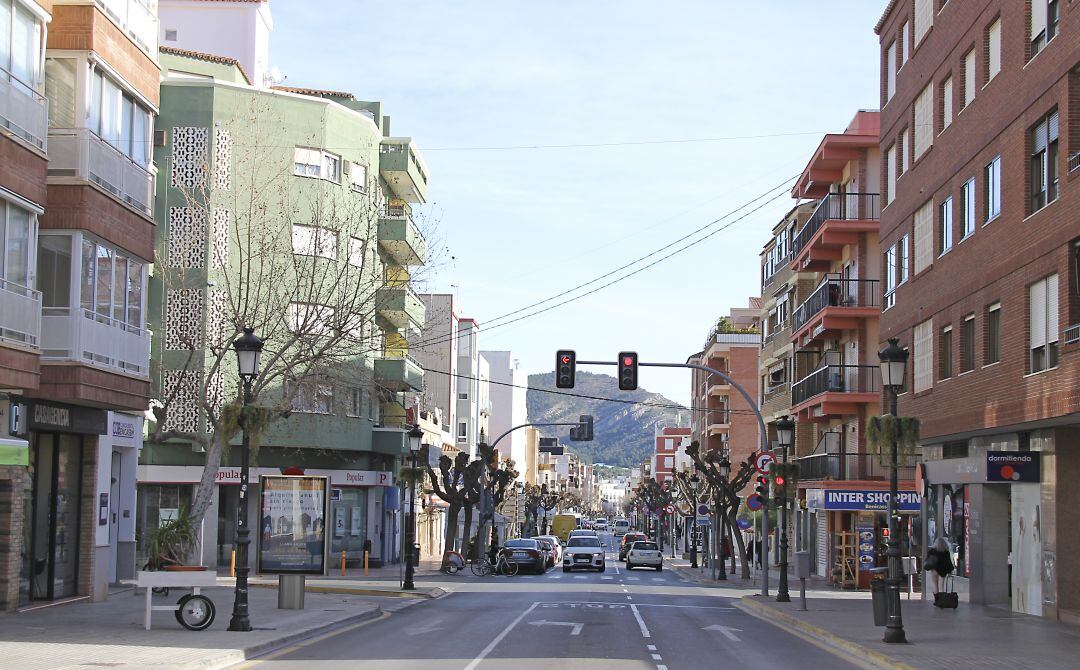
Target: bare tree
[(449, 485)]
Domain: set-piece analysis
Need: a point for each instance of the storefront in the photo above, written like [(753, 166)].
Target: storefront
[(847, 532), (117, 462)]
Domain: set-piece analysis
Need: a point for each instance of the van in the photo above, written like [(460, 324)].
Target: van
[(562, 524), (621, 527)]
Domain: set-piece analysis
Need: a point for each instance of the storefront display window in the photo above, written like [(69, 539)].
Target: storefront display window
[(157, 503), (349, 517), (954, 518)]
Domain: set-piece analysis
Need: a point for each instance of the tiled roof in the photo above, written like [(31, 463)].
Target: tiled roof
[(755, 303), (315, 92), (885, 15), (210, 58)]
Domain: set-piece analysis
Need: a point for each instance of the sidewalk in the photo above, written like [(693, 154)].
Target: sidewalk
[(111, 635), (382, 581)]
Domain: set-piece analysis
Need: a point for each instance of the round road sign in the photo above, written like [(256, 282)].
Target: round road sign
[(670, 509), (754, 502), (763, 460), (703, 510)]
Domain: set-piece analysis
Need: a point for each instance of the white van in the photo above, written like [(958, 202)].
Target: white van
[(621, 527)]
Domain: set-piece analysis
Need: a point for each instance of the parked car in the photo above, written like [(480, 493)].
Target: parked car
[(621, 527), (644, 555), (548, 549), (556, 548), (627, 540), (528, 554), (584, 551)]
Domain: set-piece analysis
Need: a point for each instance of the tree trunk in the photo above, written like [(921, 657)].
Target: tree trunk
[(204, 494), (470, 541), (733, 524), (451, 526)]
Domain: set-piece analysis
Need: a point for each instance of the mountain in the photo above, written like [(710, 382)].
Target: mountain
[(623, 433)]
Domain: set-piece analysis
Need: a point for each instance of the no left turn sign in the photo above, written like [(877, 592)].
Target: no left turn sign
[(763, 461)]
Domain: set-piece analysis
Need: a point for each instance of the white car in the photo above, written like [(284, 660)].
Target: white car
[(584, 551), (622, 526), (600, 524), (644, 555)]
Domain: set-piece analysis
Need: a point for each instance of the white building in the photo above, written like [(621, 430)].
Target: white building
[(222, 29), (508, 409)]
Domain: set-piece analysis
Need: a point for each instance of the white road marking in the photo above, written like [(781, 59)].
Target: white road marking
[(651, 647), (607, 578), (633, 579), (499, 638), (583, 577), (727, 631), (657, 657), (661, 667), (658, 579), (641, 623), (575, 628)]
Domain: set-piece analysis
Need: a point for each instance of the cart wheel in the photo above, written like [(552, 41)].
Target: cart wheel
[(195, 612), (160, 590)]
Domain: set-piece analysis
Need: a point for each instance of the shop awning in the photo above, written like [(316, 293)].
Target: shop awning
[(14, 451)]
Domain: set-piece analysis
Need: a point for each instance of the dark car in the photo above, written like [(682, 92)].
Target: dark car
[(528, 554), (549, 550), (628, 540)]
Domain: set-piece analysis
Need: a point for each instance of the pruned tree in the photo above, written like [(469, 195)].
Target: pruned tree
[(449, 485), (724, 494)]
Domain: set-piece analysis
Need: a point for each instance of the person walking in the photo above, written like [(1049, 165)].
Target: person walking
[(939, 563)]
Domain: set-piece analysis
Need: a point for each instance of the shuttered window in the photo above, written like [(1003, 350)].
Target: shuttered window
[(924, 356), (1044, 23), (924, 18), (1044, 161), (946, 103), (924, 236), (924, 121), (993, 50), (969, 77), (890, 71), (1043, 324)]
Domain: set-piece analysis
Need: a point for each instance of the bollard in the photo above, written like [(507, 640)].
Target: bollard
[(232, 564), (802, 571), (342, 562), (365, 562)]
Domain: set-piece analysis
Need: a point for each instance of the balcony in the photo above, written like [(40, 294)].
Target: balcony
[(725, 340), (1074, 161), (718, 390), (399, 306), (1072, 334), (835, 391), (399, 373), (82, 336), (20, 314), (403, 169), (399, 237), (839, 220), (24, 112), (136, 18), (719, 422), (851, 467), (79, 153), (837, 305)]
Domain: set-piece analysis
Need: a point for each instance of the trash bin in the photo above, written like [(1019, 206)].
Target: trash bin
[(880, 598)]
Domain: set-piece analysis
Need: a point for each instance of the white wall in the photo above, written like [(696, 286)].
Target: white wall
[(238, 30), (508, 407)]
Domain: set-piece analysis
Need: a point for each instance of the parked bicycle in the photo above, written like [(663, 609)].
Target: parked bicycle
[(503, 565)]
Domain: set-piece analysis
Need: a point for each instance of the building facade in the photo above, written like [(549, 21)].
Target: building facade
[(670, 442), (507, 389), (987, 191)]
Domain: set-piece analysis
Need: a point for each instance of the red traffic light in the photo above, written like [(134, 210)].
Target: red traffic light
[(565, 359), (779, 481), (627, 360)]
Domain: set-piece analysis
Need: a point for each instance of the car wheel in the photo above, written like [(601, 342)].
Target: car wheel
[(566, 569), (602, 568), (660, 567), (629, 565)]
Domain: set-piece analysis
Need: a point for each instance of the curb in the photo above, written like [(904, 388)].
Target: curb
[(425, 594), (842, 647), (235, 656)]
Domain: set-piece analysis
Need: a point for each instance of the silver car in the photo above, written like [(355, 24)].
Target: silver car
[(584, 552)]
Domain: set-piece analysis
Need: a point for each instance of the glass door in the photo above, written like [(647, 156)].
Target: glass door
[(51, 535)]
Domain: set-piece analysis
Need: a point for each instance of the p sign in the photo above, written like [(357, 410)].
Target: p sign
[(763, 461), (754, 502)]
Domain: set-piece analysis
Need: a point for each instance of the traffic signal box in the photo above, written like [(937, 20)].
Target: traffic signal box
[(565, 368), (785, 479), (628, 365), (583, 432)]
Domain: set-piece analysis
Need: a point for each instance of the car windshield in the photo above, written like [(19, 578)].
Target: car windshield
[(645, 545), (583, 542), (521, 544)]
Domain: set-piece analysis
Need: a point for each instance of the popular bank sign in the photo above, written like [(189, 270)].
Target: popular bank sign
[(864, 501)]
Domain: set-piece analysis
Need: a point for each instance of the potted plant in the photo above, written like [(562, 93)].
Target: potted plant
[(173, 543)]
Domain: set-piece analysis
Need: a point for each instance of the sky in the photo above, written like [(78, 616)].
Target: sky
[(471, 82)]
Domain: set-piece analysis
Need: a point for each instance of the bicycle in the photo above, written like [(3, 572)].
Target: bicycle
[(502, 566)]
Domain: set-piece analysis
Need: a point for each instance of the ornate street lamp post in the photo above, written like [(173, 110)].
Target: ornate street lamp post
[(785, 433), (695, 486), (725, 470), (893, 368), (416, 436), (248, 348)]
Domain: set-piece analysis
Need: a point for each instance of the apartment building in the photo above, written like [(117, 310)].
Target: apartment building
[(722, 419), (78, 93), (508, 384), (988, 194), (670, 442)]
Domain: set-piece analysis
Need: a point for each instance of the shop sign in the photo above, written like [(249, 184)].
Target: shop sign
[(45, 416), (192, 474), (862, 501), (1014, 466), (292, 524)]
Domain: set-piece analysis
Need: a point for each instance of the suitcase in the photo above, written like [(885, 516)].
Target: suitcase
[(947, 599)]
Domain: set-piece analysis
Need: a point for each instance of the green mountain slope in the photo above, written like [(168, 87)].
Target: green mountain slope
[(623, 432)]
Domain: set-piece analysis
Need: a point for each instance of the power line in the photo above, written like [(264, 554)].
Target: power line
[(600, 145)]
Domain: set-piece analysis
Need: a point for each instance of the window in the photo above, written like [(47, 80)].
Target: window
[(923, 19), (1044, 162), (992, 174), (1044, 23), (993, 50), (969, 78), (462, 431), (905, 45), (924, 121), (890, 174), (463, 396), (54, 271), (946, 103), (356, 402), (306, 318), (17, 227), (669, 462), (905, 152), (311, 397), (331, 167), (1043, 324), (20, 44), (945, 225), (967, 344), (924, 236), (889, 272), (993, 333), (902, 255), (945, 369), (967, 201), (890, 71), (111, 285), (358, 177), (116, 117), (924, 356), (316, 163), (60, 86), (312, 241), (170, 35), (356, 252)]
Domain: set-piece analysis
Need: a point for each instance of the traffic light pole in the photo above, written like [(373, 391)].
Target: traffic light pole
[(761, 425)]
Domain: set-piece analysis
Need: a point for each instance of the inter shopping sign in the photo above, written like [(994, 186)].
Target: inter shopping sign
[(847, 500)]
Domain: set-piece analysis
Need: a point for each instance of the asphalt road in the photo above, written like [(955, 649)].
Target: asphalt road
[(592, 621)]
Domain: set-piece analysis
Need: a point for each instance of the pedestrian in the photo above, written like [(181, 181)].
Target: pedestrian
[(938, 562)]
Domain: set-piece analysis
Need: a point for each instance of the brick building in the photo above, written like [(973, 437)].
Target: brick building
[(669, 443), (980, 133)]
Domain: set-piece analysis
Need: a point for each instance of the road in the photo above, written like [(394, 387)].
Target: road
[(591, 621)]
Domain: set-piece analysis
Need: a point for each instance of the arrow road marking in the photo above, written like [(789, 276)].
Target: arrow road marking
[(575, 627), (429, 627), (727, 631)]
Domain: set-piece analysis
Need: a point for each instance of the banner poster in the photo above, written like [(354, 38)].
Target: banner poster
[(867, 541), (357, 521), (292, 535), (339, 521)]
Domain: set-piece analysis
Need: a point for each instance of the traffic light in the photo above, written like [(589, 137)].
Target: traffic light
[(628, 370), (762, 488), (583, 432), (565, 368)]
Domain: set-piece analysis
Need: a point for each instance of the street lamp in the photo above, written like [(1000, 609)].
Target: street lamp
[(416, 436), (785, 433), (248, 348), (695, 483), (725, 469), (893, 367)]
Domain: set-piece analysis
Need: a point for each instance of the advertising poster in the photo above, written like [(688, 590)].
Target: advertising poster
[(357, 521), (292, 529), (867, 548), (339, 521)]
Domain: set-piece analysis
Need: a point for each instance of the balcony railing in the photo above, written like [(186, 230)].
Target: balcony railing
[(84, 336), (20, 314), (78, 152), (1072, 334), (777, 331), (851, 466), (837, 379), (1074, 161), (750, 337), (841, 207), (23, 111), (836, 292), (137, 18)]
